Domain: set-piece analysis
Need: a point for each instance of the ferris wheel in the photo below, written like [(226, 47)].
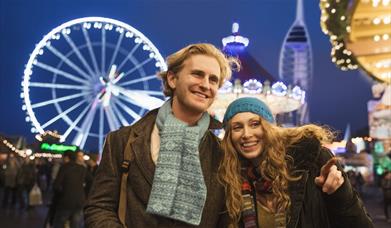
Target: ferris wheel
[(90, 76)]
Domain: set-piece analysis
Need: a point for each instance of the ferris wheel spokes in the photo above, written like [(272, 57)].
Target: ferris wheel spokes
[(59, 99), (101, 127), (90, 50), (114, 56), (148, 92), (142, 100), (137, 66), (58, 86), (60, 72), (68, 62), (128, 56), (111, 118), (124, 107), (82, 134), (74, 123), (103, 52), (61, 115), (80, 56), (122, 119), (145, 78)]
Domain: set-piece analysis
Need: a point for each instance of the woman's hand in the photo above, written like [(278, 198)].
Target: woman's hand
[(330, 178)]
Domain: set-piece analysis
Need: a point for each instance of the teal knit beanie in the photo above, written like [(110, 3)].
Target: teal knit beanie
[(248, 104)]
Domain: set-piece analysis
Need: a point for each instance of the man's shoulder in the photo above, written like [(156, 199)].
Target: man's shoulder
[(138, 125), (124, 130), (305, 145), (306, 151)]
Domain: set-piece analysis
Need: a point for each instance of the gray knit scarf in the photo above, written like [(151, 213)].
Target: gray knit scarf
[(178, 189)]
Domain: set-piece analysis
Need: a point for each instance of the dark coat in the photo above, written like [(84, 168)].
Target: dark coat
[(102, 205), (310, 206), (69, 186)]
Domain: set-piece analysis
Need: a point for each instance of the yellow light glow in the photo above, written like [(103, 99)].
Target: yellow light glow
[(375, 3), (387, 20)]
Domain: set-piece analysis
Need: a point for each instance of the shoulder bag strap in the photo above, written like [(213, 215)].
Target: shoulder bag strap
[(124, 170)]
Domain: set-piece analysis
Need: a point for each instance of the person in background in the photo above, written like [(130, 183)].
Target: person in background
[(69, 193), (283, 177), (58, 162), (80, 158), (10, 184), (386, 187), (26, 178)]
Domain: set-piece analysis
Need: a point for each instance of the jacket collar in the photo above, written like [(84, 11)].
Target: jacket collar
[(141, 146), (139, 126)]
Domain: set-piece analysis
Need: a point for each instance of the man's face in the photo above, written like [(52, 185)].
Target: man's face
[(196, 85), (80, 156)]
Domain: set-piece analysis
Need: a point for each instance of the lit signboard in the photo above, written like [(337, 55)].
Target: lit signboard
[(57, 148)]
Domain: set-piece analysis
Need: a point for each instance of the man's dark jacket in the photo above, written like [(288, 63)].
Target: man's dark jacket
[(310, 206), (102, 205)]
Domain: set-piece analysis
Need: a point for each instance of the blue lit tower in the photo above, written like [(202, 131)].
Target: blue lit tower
[(235, 45), (295, 66), (253, 80)]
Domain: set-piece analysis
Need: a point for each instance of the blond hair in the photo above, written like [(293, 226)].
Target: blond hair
[(175, 63), (274, 167)]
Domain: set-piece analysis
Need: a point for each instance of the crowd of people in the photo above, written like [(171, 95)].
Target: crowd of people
[(60, 184)]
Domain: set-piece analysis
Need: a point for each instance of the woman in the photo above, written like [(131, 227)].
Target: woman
[(283, 177)]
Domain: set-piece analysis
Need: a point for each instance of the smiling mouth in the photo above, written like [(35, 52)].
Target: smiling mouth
[(201, 95), (248, 145)]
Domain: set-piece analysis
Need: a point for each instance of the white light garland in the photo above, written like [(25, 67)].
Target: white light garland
[(21, 153)]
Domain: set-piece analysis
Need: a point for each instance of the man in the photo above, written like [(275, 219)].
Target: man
[(80, 158), (172, 172), (69, 192), (10, 174)]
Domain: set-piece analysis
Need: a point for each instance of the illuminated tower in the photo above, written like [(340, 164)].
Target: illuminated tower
[(253, 81), (236, 45), (295, 66)]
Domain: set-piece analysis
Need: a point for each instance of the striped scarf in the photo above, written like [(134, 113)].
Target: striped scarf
[(252, 183)]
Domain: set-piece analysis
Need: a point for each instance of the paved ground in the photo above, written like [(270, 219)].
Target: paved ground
[(373, 200), (16, 218)]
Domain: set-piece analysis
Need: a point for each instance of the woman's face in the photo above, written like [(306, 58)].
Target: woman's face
[(247, 134)]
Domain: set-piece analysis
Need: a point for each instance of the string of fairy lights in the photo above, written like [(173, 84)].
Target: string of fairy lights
[(53, 134), (28, 152), (335, 22), (23, 153)]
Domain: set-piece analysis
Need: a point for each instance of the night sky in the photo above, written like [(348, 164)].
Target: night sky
[(337, 97)]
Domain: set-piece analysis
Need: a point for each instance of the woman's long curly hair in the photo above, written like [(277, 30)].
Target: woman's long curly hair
[(275, 164)]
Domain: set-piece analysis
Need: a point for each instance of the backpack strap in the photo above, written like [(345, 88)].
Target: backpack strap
[(124, 177)]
